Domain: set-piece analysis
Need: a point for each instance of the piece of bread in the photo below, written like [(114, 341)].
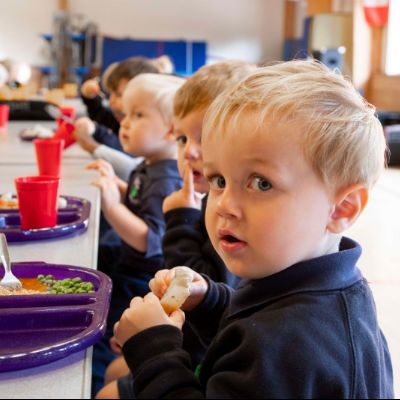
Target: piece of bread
[(178, 290)]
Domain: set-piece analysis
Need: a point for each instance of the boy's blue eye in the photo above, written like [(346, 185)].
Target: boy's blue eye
[(218, 182), (260, 184)]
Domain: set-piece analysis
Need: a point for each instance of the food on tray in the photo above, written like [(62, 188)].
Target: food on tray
[(62, 202), (65, 286), (178, 290), (7, 201), (47, 284), (7, 291)]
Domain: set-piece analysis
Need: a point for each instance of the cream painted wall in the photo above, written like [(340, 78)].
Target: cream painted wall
[(247, 29), (21, 22)]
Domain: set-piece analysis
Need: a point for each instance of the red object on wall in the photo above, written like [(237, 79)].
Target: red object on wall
[(376, 12)]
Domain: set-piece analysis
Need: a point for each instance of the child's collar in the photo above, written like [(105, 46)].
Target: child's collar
[(329, 272)]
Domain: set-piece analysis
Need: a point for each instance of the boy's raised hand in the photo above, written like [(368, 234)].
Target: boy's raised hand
[(110, 194), (105, 168), (186, 197), (142, 314), (84, 128), (90, 89), (198, 287)]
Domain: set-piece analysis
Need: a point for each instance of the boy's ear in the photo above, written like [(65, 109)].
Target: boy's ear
[(349, 203)]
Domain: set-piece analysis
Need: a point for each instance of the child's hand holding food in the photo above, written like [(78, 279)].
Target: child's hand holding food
[(145, 313), (179, 287)]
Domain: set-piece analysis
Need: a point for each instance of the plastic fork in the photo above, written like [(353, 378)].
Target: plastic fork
[(9, 280)]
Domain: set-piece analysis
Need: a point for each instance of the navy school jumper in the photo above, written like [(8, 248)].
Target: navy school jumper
[(309, 331)]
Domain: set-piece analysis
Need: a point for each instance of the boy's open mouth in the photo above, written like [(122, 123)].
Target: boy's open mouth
[(230, 239)]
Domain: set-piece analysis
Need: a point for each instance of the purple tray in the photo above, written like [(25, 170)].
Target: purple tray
[(38, 329), (70, 220)]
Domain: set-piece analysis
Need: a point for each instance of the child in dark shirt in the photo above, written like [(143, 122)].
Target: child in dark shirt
[(290, 154), (102, 126), (134, 209), (185, 240), (103, 123)]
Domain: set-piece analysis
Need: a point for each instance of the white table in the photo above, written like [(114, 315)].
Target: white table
[(15, 151), (71, 376)]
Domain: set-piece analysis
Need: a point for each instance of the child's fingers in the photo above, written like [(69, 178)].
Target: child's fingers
[(178, 318), (188, 184), (151, 298), (93, 165), (101, 183), (136, 301), (158, 287), (97, 183), (115, 329), (159, 284), (115, 347), (102, 167)]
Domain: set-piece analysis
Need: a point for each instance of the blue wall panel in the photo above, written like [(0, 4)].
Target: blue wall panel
[(187, 56)]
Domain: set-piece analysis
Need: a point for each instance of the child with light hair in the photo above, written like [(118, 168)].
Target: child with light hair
[(186, 241), (291, 154), (134, 209)]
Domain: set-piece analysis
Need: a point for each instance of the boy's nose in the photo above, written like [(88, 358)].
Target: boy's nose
[(191, 152), (228, 204), (124, 122)]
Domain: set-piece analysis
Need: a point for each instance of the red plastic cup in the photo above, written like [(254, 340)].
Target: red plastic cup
[(4, 114), (37, 199), (65, 131), (68, 111), (48, 156)]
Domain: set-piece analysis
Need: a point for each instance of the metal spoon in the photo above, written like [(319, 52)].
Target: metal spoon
[(9, 280)]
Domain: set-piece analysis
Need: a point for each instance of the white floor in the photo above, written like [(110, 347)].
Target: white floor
[(378, 232)]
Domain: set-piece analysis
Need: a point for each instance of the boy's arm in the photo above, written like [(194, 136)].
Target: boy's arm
[(105, 136), (142, 231), (168, 370), (160, 366), (97, 112), (122, 163), (211, 309), (131, 229)]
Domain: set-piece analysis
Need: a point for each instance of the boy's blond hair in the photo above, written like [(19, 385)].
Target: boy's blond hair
[(343, 138), (207, 83), (162, 87)]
